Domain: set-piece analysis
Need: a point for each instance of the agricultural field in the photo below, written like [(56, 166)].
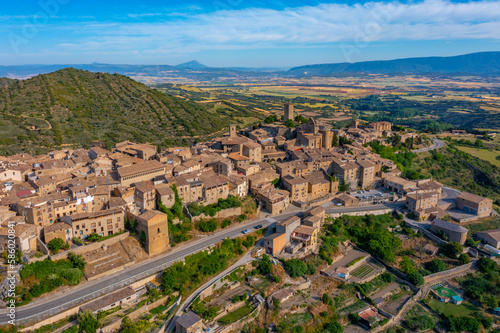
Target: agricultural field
[(363, 271), (492, 156)]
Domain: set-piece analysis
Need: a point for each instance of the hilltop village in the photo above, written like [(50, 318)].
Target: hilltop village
[(114, 208)]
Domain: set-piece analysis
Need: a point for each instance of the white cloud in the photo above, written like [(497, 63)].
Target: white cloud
[(292, 27)]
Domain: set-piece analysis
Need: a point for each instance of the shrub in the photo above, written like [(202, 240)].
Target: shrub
[(420, 323), (207, 225)]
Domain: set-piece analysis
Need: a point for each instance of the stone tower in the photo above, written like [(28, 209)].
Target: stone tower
[(232, 131), (288, 110)]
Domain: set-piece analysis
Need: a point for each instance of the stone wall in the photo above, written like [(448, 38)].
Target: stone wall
[(450, 272), (90, 247), (362, 213), (225, 213)]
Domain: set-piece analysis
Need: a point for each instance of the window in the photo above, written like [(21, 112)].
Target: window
[(118, 219), (109, 221)]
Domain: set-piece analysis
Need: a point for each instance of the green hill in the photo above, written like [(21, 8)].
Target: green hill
[(73, 106)]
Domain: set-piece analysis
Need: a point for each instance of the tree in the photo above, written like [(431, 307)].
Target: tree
[(88, 322), (452, 249), (416, 278), (326, 299), (295, 267), (407, 265), (343, 186), (464, 258), (435, 266), (131, 224), (77, 261), (56, 244), (486, 265), (128, 326), (289, 123), (265, 266), (335, 140)]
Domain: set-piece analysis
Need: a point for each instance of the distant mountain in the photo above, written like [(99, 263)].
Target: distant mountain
[(191, 65), (72, 106), (474, 63)]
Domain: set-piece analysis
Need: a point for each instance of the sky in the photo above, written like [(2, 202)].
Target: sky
[(242, 33)]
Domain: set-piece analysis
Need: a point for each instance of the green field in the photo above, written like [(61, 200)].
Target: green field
[(237, 314), (363, 271), (452, 309), (484, 154)]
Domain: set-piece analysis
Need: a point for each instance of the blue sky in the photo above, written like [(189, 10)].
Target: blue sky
[(242, 32)]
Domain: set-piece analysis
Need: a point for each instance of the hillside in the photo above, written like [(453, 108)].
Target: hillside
[(474, 63), (73, 106)]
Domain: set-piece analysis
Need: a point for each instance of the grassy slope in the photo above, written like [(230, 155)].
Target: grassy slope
[(81, 106), (460, 170)]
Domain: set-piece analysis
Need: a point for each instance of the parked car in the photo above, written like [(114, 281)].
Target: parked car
[(258, 226), (246, 231)]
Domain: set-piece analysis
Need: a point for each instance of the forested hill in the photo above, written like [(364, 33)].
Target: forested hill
[(75, 106), (4, 82), (474, 63)]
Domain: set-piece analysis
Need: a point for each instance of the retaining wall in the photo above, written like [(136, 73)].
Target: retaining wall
[(225, 213), (90, 247), (445, 274), (363, 213)]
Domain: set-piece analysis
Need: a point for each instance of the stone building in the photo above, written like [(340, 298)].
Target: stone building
[(137, 173), (104, 223), (474, 204), (454, 232), (152, 227), (288, 112)]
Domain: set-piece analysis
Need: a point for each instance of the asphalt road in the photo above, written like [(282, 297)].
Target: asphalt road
[(437, 144), (50, 305)]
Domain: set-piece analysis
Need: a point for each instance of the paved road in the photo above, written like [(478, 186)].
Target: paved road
[(437, 144), (51, 305), (243, 260)]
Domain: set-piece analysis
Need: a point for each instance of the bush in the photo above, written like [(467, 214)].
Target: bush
[(226, 223), (420, 323), (207, 225), (73, 276)]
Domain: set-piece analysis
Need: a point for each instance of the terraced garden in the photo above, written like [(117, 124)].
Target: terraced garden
[(363, 271)]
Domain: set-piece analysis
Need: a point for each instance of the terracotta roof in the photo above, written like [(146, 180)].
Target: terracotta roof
[(107, 300), (188, 320), (471, 197), (56, 227), (93, 215), (140, 167)]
